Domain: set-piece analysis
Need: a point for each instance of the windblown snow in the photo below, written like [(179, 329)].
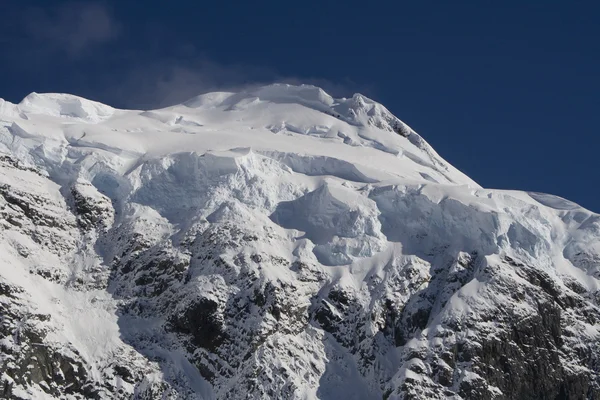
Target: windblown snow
[(278, 243)]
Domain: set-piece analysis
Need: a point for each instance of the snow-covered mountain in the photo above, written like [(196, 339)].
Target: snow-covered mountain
[(278, 243)]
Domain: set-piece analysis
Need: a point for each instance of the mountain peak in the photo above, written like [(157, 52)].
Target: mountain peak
[(65, 105), (302, 119), (278, 242)]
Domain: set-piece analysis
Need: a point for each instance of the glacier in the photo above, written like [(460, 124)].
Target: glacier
[(277, 242)]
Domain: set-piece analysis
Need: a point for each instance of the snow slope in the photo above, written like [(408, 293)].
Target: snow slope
[(278, 242)]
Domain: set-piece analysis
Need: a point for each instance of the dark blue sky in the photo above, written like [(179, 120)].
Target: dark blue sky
[(508, 92)]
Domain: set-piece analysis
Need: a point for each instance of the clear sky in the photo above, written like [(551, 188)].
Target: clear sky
[(507, 91)]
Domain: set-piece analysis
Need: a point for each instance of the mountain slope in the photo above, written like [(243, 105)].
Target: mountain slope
[(278, 242)]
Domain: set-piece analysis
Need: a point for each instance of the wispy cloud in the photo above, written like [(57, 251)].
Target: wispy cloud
[(73, 28), (87, 50), (164, 82), (170, 81)]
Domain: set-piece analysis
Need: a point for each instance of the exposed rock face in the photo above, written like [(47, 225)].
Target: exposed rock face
[(277, 272)]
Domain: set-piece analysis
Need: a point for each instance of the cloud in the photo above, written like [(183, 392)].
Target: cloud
[(83, 48), (72, 28), (165, 82)]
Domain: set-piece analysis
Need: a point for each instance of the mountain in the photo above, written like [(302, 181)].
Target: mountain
[(278, 243)]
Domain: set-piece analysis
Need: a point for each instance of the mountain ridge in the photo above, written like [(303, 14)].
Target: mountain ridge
[(278, 242)]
